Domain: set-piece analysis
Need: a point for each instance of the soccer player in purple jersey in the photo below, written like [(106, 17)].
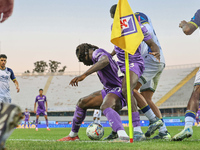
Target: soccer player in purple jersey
[(26, 118), (136, 67), (41, 110), (193, 104), (109, 99)]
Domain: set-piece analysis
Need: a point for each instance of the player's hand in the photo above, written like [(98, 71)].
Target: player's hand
[(46, 110), (17, 89), (74, 82), (6, 9), (182, 23), (156, 55)]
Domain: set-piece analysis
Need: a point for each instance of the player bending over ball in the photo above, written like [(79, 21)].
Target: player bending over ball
[(41, 100)]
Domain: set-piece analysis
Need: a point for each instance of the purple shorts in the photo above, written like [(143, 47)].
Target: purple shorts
[(136, 67), (41, 112), (26, 119), (117, 91)]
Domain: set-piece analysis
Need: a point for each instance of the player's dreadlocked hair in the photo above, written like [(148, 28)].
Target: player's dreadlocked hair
[(112, 9), (83, 49)]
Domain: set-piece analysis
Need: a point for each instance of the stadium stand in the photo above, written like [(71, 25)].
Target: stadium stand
[(62, 97)]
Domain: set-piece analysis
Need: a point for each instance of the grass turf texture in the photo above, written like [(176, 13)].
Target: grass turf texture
[(23, 139)]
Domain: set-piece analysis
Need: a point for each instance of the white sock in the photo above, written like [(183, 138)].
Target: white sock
[(122, 133), (98, 121), (150, 115), (189, 121), (73, 134), (138, 129), (163, 129), (95, 121)]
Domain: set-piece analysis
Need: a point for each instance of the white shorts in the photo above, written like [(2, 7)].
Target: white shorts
[(151, 74), (97, 113), (5, 100), (197, 78)]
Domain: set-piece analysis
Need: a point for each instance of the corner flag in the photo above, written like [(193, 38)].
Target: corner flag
[(127, 35), (126, 31)]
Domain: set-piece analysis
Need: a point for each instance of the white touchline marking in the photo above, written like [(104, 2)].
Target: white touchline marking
[(38, 140)]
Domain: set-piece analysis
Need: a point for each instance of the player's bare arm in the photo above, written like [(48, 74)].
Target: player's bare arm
[(155, 49), (34, 107), (17, 85), (102, 63), (6, 8), (46, 106), (188, 28), (113, 53)]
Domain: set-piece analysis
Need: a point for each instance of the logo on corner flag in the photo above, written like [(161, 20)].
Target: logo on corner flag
[(128, 25)]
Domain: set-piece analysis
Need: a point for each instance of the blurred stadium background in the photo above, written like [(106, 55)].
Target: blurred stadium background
[(172, 94)]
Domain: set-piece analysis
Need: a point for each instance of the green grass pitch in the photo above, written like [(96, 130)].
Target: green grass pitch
[(29, 139)]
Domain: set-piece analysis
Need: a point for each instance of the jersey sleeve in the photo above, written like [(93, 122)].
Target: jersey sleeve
[(97, 54), (36, 100), (145, 32), (12, 76), (196, 19)]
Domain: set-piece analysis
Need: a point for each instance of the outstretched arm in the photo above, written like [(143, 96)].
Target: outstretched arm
[(188, 28), (102, 63), (155, 49)]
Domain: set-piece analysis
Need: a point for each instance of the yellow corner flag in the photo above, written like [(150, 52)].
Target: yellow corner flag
[(127, 35), (126, 31)]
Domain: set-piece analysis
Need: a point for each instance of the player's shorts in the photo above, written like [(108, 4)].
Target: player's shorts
[(5, 99), (136, 67), (151, 74), (97, 113), (41, 112), (117, 91), (197, 78), (26, 119)]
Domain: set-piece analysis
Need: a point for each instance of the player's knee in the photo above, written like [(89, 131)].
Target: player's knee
[(81, 103)]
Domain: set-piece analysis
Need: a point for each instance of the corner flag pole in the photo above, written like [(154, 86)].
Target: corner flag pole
[(129, 97)]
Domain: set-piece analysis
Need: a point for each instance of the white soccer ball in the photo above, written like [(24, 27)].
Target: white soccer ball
[(95, 131)]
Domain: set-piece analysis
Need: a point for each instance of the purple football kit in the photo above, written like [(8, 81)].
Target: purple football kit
[(41, 105), (112, 84), (136, 62), (26, 114), (109, 75), (196, 19)]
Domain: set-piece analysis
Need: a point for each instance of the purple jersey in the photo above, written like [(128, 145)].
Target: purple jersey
[(196, 19), (137, 56), (41, 101), (136, 62), (108, 75), (26, 114)]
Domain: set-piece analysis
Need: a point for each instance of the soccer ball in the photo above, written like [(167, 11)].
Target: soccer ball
[(95, 131)]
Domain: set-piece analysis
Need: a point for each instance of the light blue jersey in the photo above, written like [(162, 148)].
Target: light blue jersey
[(146, 21), (5, 76)]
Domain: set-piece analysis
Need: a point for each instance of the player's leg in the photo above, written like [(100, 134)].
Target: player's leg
[(47, 123), (197, 118), (24, 124), (163, 132), (112, 104), (95, 119), (190, 114), (10, 115), (93, 101), (36, 122)]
